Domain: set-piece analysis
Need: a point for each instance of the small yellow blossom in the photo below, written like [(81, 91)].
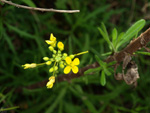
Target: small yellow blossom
[(71, 65), (51, 41), (60, 45), (50, 82), (26, 66)]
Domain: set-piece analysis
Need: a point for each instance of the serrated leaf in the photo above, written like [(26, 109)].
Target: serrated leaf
[(102, 78)]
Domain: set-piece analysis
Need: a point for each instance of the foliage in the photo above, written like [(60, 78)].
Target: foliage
[(22, 35)]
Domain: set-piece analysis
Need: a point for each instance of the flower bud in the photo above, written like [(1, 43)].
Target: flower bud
[(54, 51), (51, 48), (51, 70), (56, 68), (71, 56), (59, 52), (61, 65), (65, 55), (48, 62), (45, 58)]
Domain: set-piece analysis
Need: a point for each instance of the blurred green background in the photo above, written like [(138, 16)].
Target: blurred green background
[(22, 40)]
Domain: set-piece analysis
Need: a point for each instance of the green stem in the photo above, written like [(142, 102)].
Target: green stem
[(81, 53), (6, 109), (40, 64)]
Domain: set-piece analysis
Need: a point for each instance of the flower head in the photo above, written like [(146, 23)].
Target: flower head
[(26, 66), (50, 82), (52, 41), (60, 45), (71, 65)]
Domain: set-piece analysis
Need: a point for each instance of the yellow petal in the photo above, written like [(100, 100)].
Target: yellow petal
[(68, 60), (60, 45), (76, 61), (67, 69), (49, 84), (49, 42), (75, 69), (52, 38), (52, 79)]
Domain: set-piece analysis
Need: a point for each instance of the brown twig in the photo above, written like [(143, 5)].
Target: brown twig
[(132, 47), (39, 9)]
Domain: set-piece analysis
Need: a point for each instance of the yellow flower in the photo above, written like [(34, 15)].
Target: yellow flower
[(50, 82), (71, 65), (51, 41), (26, 66), (60, 45)]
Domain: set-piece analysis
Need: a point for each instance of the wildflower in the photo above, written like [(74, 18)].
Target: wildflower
[(50, 82), (51, 41), (60, 45), (71, 65), (26, 66)]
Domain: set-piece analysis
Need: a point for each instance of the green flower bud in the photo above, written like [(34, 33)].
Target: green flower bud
[(65, 55), (61, 65), (45, 58), (48, 62), (59, 52), (51, 48), (57, 58), (51, 70), (56, 68), (54, 51), (71, 56), (54, 56)]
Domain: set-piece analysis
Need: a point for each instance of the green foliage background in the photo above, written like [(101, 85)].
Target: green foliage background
[(22, 35)]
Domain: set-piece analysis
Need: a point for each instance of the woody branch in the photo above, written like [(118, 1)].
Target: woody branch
[(39, 9)]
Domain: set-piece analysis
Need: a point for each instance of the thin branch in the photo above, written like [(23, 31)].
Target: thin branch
[(133, 46), (39, 9)]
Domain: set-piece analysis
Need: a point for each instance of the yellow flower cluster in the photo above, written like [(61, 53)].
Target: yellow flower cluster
[(58, 59)]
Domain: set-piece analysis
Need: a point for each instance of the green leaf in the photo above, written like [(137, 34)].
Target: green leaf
[(132, 31), (104, 33), (93, 70), (107, 72), (112, 63), (101, 63), (106, 54), (143, 53), (103, 79), (29, 3), (118, 40), (57, 100), (114, 36)]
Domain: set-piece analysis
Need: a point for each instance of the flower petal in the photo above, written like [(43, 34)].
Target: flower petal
[(68, 60), (52, 79), (52, 38), (49, 42), (76, 61), (67, 69), (75, 69), (49, 84)]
